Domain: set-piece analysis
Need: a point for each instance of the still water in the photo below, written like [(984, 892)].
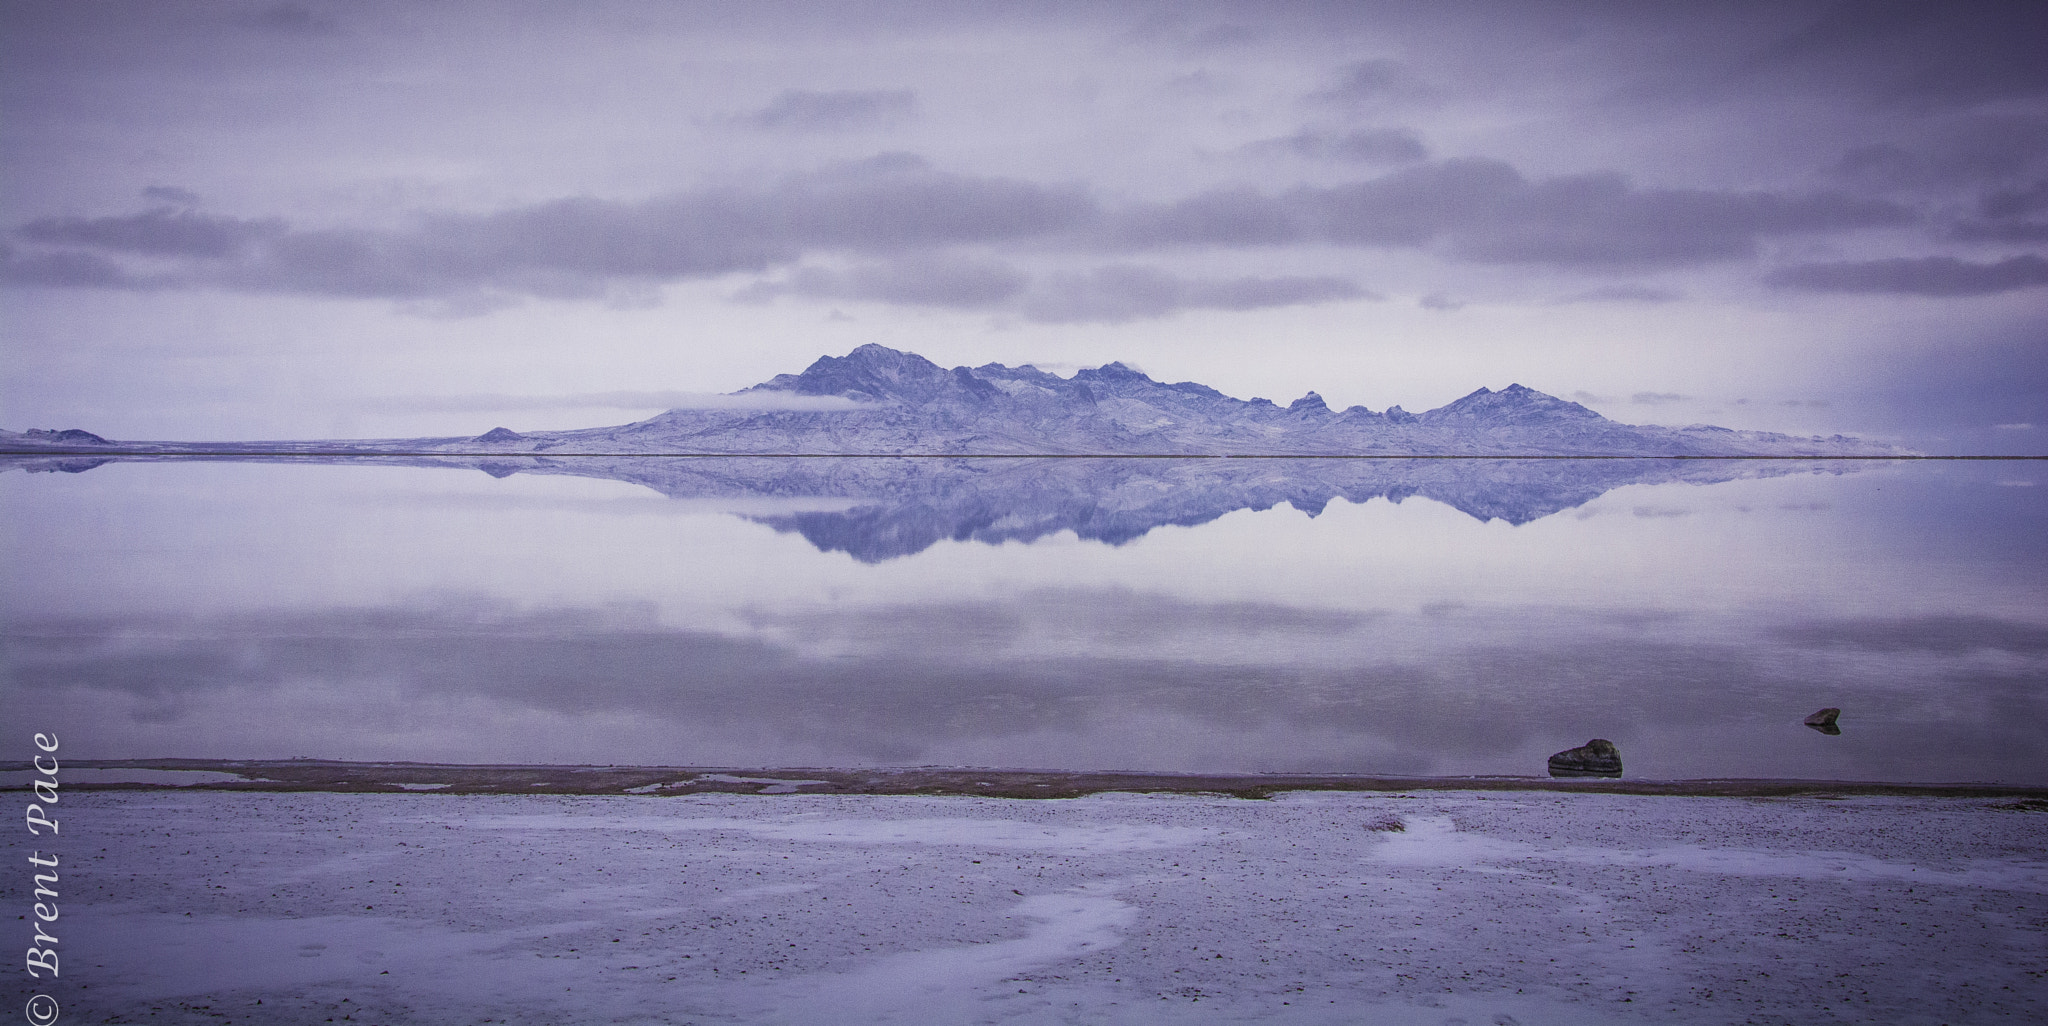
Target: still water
[(1384, 616)]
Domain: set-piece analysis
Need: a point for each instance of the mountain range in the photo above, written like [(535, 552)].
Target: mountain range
[(909, 427), (877, 401)]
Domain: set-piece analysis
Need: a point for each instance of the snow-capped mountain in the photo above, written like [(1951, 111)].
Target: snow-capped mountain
[(901, 403), (893, 403), (878, 402)]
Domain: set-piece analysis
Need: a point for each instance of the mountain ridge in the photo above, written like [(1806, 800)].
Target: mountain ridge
[(900, 403), (913, 405)]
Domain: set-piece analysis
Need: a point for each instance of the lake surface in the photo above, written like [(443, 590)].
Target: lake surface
[(1215, 615)]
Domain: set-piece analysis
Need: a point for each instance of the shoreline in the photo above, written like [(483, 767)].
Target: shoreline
[(320, 775)]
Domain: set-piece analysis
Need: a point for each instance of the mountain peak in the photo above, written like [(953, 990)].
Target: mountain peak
[(875, 351), (1111, 371), (872, 372), (1310, 403), (1515, 404)]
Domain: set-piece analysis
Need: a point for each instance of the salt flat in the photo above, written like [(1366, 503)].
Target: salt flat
[(1484, 908)]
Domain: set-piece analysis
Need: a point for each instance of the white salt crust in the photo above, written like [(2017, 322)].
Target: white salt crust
[(1486, 909)]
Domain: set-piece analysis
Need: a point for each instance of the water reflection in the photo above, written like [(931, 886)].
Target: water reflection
[(897, 507), (274, 610)]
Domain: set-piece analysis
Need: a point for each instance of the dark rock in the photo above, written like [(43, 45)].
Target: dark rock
[(499, 434), (1596, 758), (1824, 721), (68, 436)]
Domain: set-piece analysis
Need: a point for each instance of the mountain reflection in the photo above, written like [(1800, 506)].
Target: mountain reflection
[(900, 506), (263, 610)]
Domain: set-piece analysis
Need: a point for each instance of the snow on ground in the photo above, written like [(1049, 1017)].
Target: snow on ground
[(1488, 908)]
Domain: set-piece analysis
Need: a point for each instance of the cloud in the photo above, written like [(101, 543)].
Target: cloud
[(1917, 276), (574, 248), (1657, 398), (2008, 215), (910, 218), (803, 110), (1373, 83), (868, 684), (1125, 292), (287, 19), (1997, 151), (1223, 37), (1485, 211), (62, 269), (1114, 617), (2011, 203), (172, 195), (1948, 635), (1884, 165), (163, 231), (899, 199), (1906, 53), (934, 280), (1624, 294), (1363, 146), (1227, 217), (1106, 294), (2002, 231)]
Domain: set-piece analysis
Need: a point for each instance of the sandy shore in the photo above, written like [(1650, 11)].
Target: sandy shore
[(1482, 908)]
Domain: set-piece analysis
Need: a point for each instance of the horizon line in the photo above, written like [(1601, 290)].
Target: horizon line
[(336, 453)]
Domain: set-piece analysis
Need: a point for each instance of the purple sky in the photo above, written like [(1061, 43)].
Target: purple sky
[(240, 220)]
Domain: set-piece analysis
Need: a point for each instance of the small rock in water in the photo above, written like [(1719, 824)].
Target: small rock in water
[(1595, 758), (1824, 721)]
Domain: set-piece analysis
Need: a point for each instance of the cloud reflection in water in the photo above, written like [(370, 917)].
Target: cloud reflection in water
[(1402, 642)]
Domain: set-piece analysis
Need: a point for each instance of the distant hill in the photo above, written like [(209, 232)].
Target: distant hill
[(899, 403)]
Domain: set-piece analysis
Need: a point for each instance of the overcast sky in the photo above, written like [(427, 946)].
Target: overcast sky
[(260, 220)]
